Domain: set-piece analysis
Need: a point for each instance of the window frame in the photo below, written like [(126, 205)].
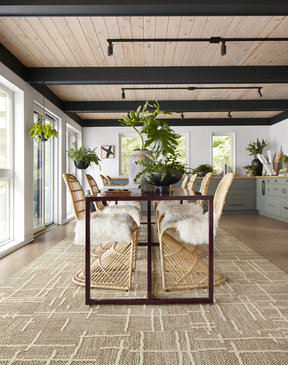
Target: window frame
[(232, 148), (7, 174)]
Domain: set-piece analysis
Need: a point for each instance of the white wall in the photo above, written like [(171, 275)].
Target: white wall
[(279, 136), (199, 148)]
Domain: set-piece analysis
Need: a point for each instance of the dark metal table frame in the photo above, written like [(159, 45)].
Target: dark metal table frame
[(149, 300)]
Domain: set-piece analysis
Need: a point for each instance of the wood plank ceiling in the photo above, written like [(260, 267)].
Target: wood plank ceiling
[(52, 42)]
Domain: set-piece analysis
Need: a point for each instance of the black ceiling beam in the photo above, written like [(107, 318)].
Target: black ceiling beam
[(176, 106), (141, 7), (156, 75), (187, 122), (279, 118), (9, 60)]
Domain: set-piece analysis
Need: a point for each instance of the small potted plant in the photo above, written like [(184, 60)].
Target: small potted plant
[(256, 148), (250, 170), (203, 169), (83, 156), (284, 160), (42, 131)]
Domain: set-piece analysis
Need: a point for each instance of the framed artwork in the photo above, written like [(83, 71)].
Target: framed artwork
[(107, 151)]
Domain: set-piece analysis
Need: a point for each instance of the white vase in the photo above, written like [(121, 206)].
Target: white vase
[(133, 169)]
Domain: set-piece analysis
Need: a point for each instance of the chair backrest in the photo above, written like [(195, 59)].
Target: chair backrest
[(184, 183), (104, 180), (221, 192), (77, 195), (94, 190), (192, 182), (110, 181), (204, 187)]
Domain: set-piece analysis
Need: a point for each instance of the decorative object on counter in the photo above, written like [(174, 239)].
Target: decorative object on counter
[(83, 156), (42, 132), (107, 151), (284, 160), (277, 159), (250, 170), (161, 139), (268, 167), (256, 148), (203, 169)]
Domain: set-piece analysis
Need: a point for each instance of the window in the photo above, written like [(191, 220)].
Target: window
[(43, 176), (128, 143), (6, 165), (223, 146), (71, 137)]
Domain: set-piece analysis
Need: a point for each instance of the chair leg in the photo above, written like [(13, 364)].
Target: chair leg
[(181, 268), (113, 270)]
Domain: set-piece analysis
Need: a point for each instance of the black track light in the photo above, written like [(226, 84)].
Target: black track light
[(123, 94), (110, 49), (182, 115), (229, 115), (259, 92), (223, 48), (128, 115)]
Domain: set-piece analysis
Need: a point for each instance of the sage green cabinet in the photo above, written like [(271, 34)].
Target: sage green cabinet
[(272, 197)]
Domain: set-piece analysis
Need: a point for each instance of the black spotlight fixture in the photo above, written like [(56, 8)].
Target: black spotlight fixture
[(259, 92), (223, 48), (229, 115), (123, 94), (110, 49), (182, 115)]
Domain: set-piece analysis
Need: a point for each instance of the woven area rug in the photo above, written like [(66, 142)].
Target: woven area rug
[(44, 319)]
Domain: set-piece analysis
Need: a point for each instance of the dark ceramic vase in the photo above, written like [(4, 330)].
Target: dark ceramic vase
[(80, 165), (259, 166), (163, 186)]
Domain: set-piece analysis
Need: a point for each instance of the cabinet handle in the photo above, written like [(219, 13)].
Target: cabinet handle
[(236, 194), (284, 191), (285, 207), (275, 188), (271, 205)]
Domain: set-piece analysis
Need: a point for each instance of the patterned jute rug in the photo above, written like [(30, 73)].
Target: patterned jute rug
[(44, 319)]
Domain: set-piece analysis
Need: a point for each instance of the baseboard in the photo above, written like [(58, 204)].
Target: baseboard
[(13, 246)]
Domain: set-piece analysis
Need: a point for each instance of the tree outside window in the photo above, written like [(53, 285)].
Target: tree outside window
[(221, 152)]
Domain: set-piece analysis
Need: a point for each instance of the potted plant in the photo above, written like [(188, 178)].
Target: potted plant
[(160, 138), (284, 159), (42, 131), (83, 156), (203, 169), (250, 170), (256, 148)]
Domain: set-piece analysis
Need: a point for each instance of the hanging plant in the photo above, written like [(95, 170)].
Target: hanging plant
[(42, 132), (83, 156)]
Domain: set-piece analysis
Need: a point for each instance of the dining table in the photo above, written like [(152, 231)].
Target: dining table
[(174, 194)]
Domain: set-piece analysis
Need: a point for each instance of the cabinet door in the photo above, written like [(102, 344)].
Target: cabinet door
[(273, 205), (260, 195)]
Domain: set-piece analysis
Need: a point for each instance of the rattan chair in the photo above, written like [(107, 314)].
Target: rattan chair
[(110, 181), (101, 208), (104, 180), (115, 259), (192, 182), (185, 181), (182, 268)]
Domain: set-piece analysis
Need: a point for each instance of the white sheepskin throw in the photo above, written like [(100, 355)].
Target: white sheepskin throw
[(125, 209), (131, 202), (180, 208), (105, 228), (192, 229)]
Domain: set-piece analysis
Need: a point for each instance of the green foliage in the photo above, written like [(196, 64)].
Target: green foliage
[(42, 129), (221, 152), (256, 147), (248, 168), (284, 158), (84, 154), (161, 139), (203, 168), (169, 164)]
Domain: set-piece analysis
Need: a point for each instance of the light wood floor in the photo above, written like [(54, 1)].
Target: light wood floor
[(266, 236)]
